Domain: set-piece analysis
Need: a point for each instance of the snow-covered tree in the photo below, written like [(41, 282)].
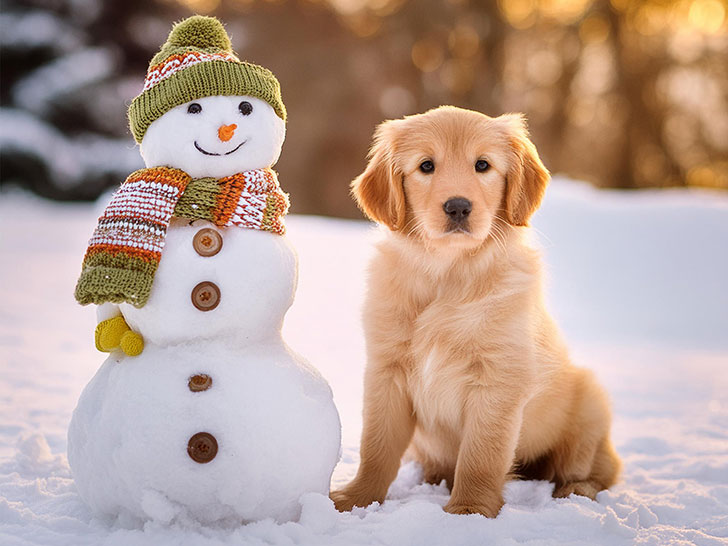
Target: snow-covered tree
[(68, 70)]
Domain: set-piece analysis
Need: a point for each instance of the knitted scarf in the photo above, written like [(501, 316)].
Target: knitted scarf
[(126, 246)]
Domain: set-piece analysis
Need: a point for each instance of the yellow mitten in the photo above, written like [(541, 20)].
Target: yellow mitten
[(108, 333), (114, 333), (131, 343)]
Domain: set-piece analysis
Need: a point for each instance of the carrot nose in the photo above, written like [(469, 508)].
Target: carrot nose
[(226, 132)]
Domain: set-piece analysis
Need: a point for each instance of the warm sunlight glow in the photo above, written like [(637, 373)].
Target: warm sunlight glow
[(427, 55), (519, 13), (362, 23), (201, 6), (707, 15), (463, 41), (594, 29), (564, 11)]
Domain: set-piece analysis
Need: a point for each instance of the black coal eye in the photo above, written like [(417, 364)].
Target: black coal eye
[(427, 166), (194, 108), (482, 165), (245, 108)]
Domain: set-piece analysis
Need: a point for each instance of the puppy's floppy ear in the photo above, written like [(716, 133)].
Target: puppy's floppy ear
[(526, 178), (379, 190)]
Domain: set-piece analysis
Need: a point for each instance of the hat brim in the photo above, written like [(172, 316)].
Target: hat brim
[(206, 79)]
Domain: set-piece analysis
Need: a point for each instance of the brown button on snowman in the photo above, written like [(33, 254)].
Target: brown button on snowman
[(201, 412), (207, 242)]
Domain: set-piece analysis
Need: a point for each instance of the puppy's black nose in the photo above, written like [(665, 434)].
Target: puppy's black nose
[(457, 208)]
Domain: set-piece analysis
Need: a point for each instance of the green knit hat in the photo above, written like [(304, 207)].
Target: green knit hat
[(197, 61)]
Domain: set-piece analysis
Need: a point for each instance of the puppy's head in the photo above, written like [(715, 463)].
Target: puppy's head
[(447, 175)]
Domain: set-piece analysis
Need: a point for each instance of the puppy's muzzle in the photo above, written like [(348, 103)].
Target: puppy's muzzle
[(458, 210)]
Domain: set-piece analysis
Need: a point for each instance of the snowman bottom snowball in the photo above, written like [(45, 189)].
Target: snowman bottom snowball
[(258, 436)]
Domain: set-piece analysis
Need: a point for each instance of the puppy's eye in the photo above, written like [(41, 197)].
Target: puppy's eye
[(482, 165), (427, 166), (194, 108), (245, 108)]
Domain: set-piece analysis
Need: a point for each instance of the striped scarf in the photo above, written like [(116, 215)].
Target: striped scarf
[(126, 246)]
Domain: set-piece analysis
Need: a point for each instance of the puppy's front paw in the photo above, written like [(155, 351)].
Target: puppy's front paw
[(343, 502), (488, 510), (347, 498)]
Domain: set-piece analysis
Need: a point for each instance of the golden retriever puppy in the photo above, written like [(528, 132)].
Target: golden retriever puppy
[(466, 370)]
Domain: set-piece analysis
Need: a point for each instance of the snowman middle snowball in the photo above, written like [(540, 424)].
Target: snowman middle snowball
[(216, 419)]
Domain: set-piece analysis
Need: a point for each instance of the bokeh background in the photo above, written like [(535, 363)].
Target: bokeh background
[(623, 94)]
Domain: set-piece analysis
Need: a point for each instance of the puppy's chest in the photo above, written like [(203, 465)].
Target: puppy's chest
[(451, 352), (438, 388)]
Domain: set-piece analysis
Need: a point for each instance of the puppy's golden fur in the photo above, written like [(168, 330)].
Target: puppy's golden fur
[(466, 370)]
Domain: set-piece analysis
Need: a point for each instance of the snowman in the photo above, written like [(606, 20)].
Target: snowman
[(201, 412)]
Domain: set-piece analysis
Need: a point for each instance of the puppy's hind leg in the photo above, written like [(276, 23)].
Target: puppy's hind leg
[(434, 468), (585, 462), (604, 472), (435, 472), (435, 475)]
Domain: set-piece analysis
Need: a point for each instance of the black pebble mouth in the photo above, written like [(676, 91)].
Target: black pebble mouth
[(226, 153)]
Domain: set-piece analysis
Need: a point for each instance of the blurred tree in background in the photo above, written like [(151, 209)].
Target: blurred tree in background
[(623, 94)]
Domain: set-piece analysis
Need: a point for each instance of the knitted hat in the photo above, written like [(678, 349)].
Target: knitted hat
[(197, 61)]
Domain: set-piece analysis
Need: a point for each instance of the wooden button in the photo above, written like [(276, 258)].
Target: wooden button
[(206, 296), (202, 447), (199, 382), (207, 242)]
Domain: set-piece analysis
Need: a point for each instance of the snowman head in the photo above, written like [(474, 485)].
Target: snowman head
[(215, 136), (205, 111)]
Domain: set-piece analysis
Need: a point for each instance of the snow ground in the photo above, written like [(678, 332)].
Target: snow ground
[(637, 282)]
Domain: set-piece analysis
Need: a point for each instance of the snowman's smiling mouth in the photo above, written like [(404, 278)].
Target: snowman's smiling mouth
[(226, 153)]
